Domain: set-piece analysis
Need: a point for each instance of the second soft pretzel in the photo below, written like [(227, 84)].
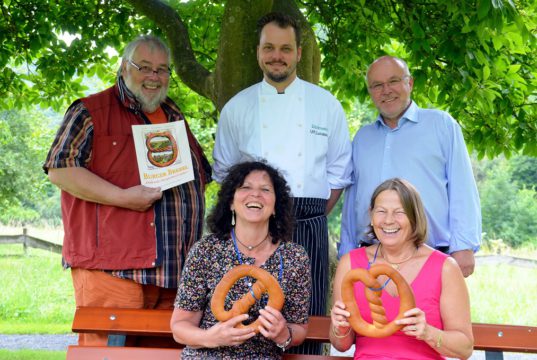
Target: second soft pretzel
[(265, 283), (380, 326)]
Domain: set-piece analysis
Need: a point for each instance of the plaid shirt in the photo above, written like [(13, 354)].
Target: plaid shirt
[(178, 214)]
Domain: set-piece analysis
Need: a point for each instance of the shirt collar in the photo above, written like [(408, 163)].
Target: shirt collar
[(411, 114), (126, 97), (267, 89)]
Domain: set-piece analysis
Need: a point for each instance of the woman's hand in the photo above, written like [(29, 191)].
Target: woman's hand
[(225, 333), (415, 323), (273, 325), (339, 317)]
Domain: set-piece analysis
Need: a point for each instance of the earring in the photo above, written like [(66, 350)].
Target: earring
[(232, 217)]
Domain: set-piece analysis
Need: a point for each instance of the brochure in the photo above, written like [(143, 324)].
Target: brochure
[(163, 154)]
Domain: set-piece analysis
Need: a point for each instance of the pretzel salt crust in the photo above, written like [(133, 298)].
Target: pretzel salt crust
[(380, 327), (265, 283)]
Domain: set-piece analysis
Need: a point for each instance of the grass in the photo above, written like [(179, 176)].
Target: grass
[(503, 294), (37, 295), (31, 355)]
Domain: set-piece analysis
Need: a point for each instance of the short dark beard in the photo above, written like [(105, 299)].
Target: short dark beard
[(278, 78)]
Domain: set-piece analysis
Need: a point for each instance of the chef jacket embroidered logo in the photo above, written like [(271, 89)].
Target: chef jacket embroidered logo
[(318, 130)]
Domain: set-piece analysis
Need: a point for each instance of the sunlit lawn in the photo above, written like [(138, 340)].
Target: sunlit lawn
[(37, 295), (504, 294), (31, 355)]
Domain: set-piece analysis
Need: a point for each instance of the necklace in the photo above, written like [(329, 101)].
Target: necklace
[(239, 258), (369, 263), (250, 247), (397, 265)]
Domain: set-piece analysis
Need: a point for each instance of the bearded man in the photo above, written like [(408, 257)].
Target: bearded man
[(299, 128), (124, 242)]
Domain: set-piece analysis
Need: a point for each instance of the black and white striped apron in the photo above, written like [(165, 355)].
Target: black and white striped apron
[(312, 233)]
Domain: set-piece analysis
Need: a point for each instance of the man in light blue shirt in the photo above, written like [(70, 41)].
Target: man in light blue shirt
[(423, 146)]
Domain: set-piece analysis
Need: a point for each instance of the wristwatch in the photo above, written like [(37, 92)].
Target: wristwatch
[(286, 343)]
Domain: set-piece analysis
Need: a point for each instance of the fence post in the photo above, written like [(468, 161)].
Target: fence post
[(25, 240)]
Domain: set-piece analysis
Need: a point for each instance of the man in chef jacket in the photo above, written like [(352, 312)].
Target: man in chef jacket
[(297, 127)]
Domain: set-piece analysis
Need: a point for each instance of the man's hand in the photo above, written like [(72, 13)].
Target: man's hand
[(85, 185), (140, 198), (466, 261)]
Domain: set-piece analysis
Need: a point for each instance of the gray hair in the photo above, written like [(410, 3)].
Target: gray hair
[(394, 58), (153, 42)]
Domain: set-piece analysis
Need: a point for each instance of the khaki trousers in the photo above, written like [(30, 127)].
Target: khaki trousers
[(100, 289)]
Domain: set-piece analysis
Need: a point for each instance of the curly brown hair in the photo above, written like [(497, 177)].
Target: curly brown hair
[(280, 225)]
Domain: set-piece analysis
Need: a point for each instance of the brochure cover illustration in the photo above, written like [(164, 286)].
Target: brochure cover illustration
[(163, 154)]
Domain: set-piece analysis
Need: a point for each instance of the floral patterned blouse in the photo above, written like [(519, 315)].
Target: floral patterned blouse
[(209, 260)]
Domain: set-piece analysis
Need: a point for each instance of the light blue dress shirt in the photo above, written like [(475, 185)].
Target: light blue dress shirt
[(427, 149)]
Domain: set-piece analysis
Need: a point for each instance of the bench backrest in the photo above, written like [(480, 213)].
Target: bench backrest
[(136, 353), (490, 337)]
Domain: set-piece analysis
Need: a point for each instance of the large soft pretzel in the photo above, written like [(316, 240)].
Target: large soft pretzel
[(380, 327), (265, 283)]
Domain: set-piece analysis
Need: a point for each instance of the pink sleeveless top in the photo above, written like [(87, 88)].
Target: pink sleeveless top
[(427, 287)]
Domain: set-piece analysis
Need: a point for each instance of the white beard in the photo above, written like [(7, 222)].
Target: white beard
[(149, 105)]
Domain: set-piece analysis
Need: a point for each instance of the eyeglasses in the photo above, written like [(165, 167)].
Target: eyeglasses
[(148, 70), (392, 83)]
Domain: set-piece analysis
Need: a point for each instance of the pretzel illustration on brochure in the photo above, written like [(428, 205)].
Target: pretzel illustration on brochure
[(163, 154)]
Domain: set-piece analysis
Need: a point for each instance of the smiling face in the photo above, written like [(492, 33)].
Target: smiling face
[(389, 219), (389, 85), (149, 89), (254, 200), (278, 55)]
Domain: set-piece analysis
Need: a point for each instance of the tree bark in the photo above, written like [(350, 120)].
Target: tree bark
[(309, 67), (191, 72), (236, 64)]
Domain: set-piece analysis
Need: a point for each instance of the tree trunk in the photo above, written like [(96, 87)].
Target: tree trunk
[(236, 66)]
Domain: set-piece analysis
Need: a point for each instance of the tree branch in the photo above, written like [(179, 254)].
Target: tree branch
[(191, 72)]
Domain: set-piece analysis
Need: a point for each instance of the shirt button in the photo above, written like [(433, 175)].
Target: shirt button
[(299, 185), (152, 224), (262, 99), (299, 154), (299, 124), (266, 154), (265, 126), (153, 263), (114, 143)]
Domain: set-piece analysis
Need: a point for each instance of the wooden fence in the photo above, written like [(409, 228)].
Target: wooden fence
[(30, 241)]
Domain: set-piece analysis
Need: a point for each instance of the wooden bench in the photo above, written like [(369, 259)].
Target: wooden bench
[(118, 324)]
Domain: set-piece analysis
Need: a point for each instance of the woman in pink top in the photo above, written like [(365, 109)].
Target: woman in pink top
[(440, 324)]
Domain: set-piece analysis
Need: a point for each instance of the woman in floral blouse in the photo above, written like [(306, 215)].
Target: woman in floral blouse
[(250, 224)]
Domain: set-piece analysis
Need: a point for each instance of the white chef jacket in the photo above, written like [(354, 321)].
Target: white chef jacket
[(302, 132)]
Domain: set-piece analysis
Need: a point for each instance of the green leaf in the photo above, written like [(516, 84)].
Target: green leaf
[(483, 8), (467, 28)]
